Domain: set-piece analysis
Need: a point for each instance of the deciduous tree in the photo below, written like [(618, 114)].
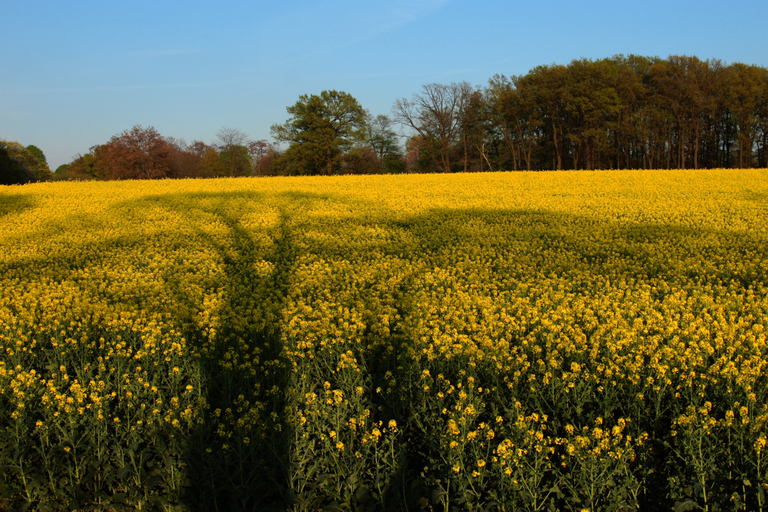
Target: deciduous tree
[(435, 115), (137, 153), (320, 129)]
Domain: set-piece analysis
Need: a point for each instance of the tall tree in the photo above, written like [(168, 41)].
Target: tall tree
[(474, 128), (762, 116), (320, 129), (743, 93), (435, 114), (234, 154), (380, 136), (546, 87), (680, 84), (229, 137), (383, 141), (137, 153), (514, 128), (235, 160), (592, 108)]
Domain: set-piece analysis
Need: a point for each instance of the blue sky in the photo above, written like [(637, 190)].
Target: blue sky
[(75, 73)]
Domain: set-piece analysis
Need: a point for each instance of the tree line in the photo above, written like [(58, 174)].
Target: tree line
[(617, 113), (142, 153), (327, 133), (623, 112)]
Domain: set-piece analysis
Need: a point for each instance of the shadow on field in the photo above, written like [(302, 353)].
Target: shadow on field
[(11, 204), (238, 457), (511, 247), (760, 198)]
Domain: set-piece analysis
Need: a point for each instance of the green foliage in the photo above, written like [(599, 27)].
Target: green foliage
[(37, 153), (22, 165), (320, 129), (84, 167), (235, 161), (620, 112), (316, 154), (62, 171), (361, 160)]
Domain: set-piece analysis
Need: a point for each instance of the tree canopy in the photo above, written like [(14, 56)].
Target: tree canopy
[(19, 164), (142, 153), (320, 129), (619, 112)]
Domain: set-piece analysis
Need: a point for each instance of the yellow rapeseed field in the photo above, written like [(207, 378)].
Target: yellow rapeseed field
[(501, 341)]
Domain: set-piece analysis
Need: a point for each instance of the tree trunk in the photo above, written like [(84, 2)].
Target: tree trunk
[(696, 143), (466, 153), (481, 148), (445, 162)]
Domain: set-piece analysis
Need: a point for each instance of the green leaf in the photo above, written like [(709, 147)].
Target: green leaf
[(686, 506)]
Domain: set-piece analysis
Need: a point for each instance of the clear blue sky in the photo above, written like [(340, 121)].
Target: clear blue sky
[(75, 73)]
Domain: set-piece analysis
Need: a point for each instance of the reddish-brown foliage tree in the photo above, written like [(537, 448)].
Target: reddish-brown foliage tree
[(138, 153)]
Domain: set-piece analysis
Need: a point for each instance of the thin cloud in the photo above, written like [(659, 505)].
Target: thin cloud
[(371, 22), (409, 12)]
